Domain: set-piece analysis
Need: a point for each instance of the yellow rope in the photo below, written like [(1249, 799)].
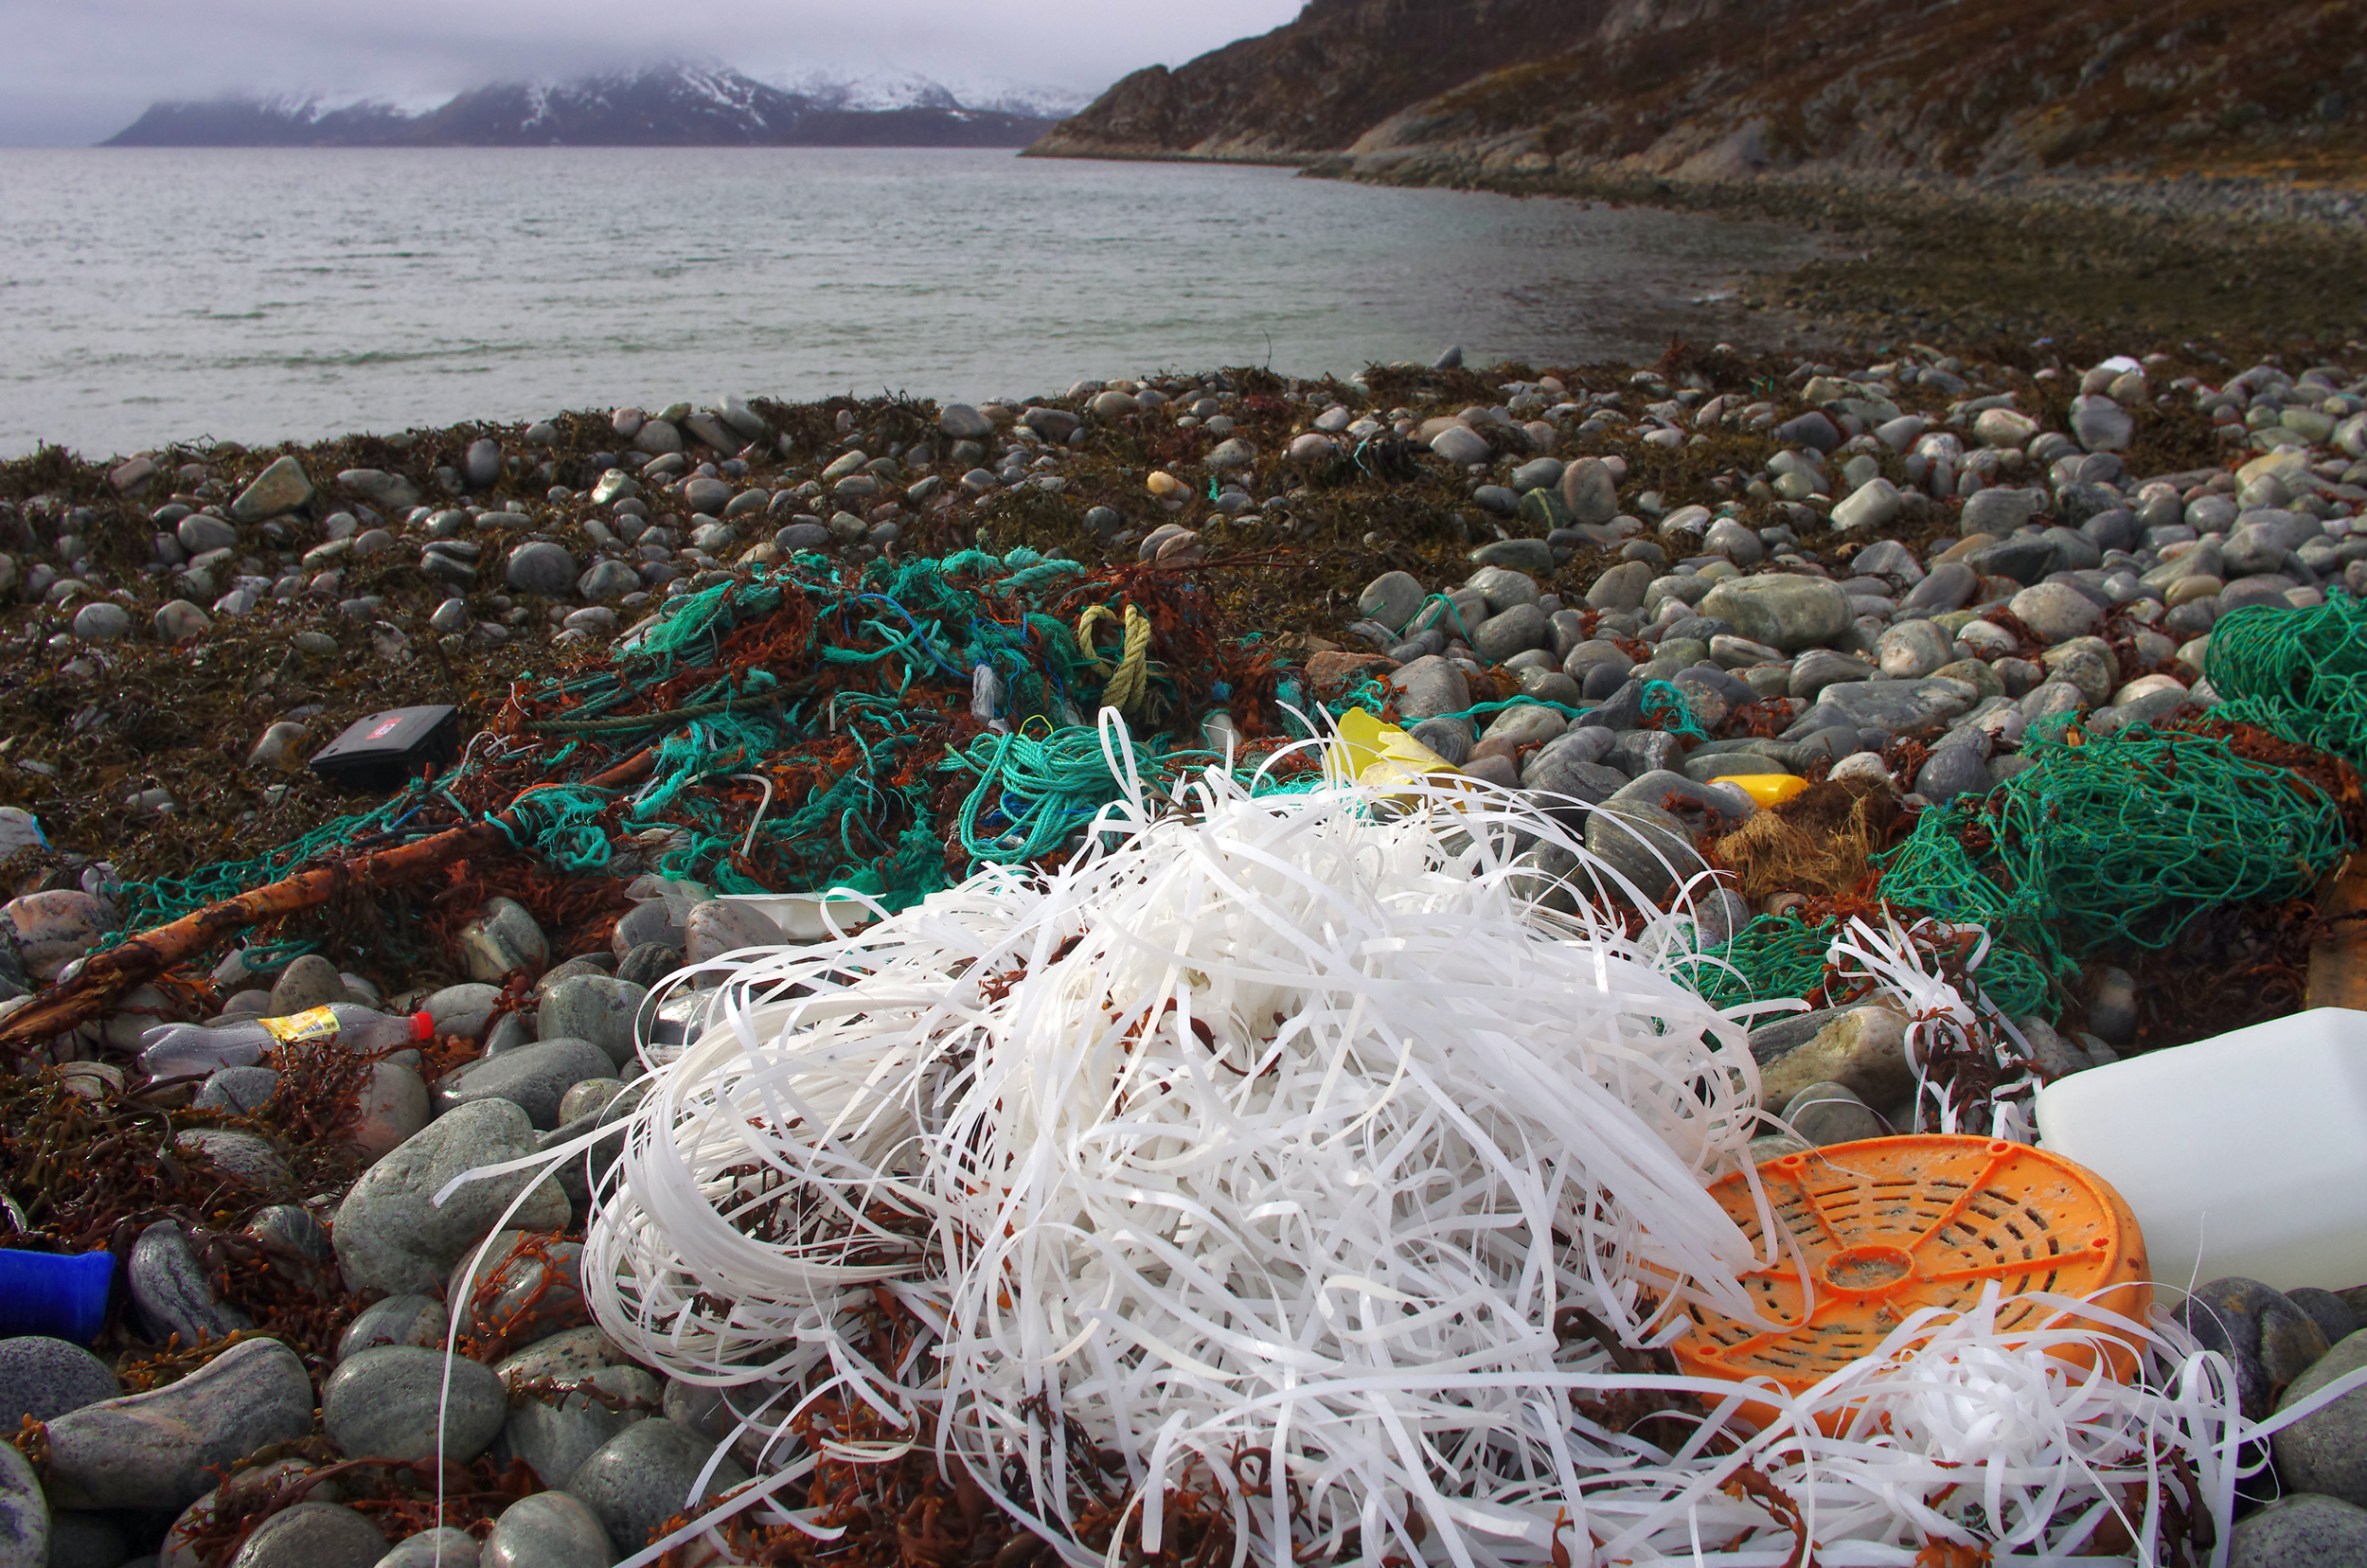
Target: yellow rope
[(1085, 624), (1131, 682)]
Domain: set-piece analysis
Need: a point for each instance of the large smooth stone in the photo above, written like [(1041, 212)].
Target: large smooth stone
[(2326, 1450), (596, 1008), (390, 1236), (154, 1450), (444, 1548), (550, 1529), (1780, 610), (169, 1291), (389, 1402), (646, 1474), (1864, 1050), (313, 1535), (2270, 1340), (533, 1078), (2308, 1530), (555, 1435), (24, 1513), (413, 1319), (46, 1378)]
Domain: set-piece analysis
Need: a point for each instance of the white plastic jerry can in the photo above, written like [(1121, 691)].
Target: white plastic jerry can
[(2242, 1154)]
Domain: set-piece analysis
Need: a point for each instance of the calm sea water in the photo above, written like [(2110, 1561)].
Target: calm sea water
[(148, 296)]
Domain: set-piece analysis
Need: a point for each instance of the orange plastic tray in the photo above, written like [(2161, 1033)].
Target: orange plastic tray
[(1888, 1226)]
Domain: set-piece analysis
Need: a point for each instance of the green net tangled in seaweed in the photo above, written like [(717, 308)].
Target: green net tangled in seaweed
[(1779, 956), (2118, 840), (2301, 674), (794, 720)]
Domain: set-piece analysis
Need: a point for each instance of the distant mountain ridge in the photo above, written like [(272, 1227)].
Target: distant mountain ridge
[(672, 105), (1515, 91)]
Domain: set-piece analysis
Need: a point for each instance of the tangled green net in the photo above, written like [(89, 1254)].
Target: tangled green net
[(2122, 840), (1778, 956), (2301, 674)]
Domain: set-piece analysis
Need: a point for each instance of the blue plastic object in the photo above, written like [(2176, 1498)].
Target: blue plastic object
[(63, 1295)]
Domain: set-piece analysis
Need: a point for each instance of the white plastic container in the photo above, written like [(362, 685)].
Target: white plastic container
[(800, 914), (2242, 1154)]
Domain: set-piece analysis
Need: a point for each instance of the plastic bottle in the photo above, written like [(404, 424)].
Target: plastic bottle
[(191, 1050)]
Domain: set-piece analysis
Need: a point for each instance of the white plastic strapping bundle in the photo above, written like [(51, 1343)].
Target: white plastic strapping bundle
[(1282, 1130), (1271, 1125)]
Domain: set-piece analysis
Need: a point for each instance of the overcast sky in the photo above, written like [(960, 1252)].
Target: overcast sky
[(77, 71)]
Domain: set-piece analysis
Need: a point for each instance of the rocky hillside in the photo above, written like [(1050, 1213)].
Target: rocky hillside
[(1723, 89), (1318, 83), (664, 106)]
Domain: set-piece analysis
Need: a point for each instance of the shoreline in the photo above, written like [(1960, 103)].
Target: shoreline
[(1964, 262)]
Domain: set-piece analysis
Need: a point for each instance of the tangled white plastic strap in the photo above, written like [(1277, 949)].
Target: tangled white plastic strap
[(1293, 1125)]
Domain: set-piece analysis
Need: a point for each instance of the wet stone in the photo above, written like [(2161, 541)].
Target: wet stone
[(2270, 1340), (169, 1291), (157, 1450), (551, 1529), (313, 1535), (46, 1378), (386, 1401)]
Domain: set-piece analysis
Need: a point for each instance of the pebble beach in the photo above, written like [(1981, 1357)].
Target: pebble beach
[(1662, 601)]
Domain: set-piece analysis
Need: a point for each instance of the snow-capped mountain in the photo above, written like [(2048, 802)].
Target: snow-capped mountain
[(673, 105)]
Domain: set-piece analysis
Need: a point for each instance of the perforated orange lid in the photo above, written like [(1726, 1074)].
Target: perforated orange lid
[(1888, 1226)]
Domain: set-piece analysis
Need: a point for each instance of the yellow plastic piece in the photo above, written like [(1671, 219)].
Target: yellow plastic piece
[(1768, 789), (1887, 1226), (1163, 483), (1382, 755)]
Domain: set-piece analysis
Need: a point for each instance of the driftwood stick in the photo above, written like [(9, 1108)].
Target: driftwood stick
[(105, 977)]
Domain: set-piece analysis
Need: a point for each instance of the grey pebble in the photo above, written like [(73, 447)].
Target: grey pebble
[(645, 1475), (409, 1319), (598, 1007), (556, 1433), (24, 1539), (390, 1400), (2270, 1340), (2308, 1530), (310, 982), (46, 1378), (238, 1090), (389, 1231), (550, 1529), (440, 1548), (532, 1076), (169, 1291), (313, 1535)]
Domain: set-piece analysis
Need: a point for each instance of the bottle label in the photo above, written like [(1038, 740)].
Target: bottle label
[(312, 1024)]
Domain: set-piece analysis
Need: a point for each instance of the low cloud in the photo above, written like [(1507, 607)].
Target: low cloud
[(75, 71)]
